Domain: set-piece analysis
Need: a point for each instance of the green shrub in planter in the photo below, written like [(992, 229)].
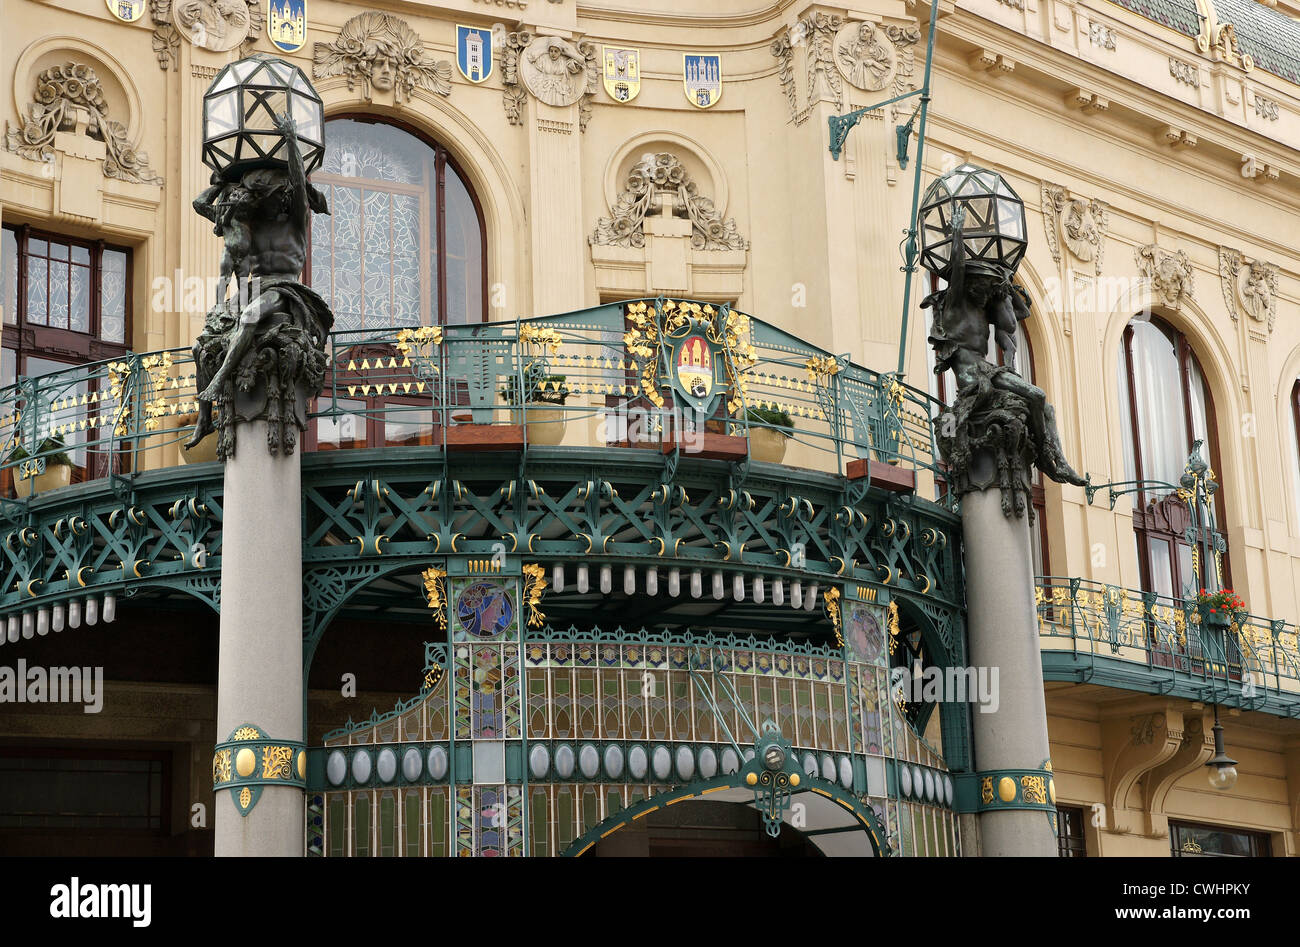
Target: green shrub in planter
[(539, 388), (771, 417)]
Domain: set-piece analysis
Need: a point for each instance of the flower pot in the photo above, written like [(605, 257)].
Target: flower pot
[(767, 444), (1216, 619), (55, 476), (545, 424)]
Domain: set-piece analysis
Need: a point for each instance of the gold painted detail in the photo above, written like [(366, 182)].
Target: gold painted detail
[(534, 585), (221, 767), (245, 762), (484, 565), (245, 797), (986, 790), (1035, 789), (1007, 789), (1191, 847), (433, 676), (832, 603), (821, 368), (435, 591), (247, 733), (894, 630), (866, 593), (277, 762), (422, 337)]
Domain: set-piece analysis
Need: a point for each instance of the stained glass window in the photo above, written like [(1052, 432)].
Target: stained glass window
[(403, 244)]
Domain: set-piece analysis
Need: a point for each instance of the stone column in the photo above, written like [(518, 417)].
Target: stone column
[(259, 680), (1003, 630)]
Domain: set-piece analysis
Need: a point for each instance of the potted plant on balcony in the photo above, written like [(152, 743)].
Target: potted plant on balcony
[(58, 468), (767, 443), (543, 398), (1219, 608)]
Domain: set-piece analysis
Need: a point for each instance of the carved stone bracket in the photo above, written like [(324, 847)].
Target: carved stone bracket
[(1143, 757), (70, 99), (659, 184), (1081, 224), (381, 51), (1170, 275)]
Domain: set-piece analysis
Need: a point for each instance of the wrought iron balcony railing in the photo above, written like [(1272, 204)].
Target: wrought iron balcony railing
[(1093, 632), (586, 379)]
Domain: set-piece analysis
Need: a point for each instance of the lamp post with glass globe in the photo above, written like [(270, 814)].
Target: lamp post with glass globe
[(263, 126), (973, 236)]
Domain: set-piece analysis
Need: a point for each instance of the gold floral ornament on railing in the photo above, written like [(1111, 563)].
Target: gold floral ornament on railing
[(416, 347), (435, 592), (741, 357), (157, 368), (821, 368), (534, 585), (542, 337), (642, 342)]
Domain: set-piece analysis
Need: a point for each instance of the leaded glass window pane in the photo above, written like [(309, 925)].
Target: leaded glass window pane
[(378, 257)]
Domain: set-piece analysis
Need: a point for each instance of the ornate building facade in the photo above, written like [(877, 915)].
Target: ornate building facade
[(526, 632)]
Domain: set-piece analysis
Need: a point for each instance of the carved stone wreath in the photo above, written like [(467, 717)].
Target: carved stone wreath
[(657, 173), (380, 50), (66, 96)]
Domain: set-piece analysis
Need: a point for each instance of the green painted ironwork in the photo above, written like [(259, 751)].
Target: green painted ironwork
[(1157, 644)]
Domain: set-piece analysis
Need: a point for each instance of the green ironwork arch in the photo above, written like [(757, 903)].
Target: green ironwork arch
[(700, 789)]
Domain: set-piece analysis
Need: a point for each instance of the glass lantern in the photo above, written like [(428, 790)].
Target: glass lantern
[(239, 111), (994, 229)]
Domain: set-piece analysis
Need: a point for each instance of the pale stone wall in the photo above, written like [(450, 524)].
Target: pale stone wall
[(1031, 88)]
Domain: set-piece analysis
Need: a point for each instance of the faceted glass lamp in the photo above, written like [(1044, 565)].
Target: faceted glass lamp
[(994, 229), (239, 111)]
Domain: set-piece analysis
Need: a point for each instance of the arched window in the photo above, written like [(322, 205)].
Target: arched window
[(404, 243), (1295, 457), (1165, 406)]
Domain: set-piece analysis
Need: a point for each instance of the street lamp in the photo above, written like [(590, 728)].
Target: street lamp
[(239, 112), (1223, 768), (994, 230)]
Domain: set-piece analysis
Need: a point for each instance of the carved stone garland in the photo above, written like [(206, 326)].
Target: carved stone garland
[(380, 50), (62, 94), (653, 174)]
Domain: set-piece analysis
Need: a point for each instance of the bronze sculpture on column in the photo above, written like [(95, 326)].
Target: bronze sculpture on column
[(999, 426), (260, 360), (261, 353)]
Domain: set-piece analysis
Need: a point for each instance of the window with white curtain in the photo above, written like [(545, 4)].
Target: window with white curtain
[(1165, 406)]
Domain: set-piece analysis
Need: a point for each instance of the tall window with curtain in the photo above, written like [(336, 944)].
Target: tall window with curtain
[(1165, 406)]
